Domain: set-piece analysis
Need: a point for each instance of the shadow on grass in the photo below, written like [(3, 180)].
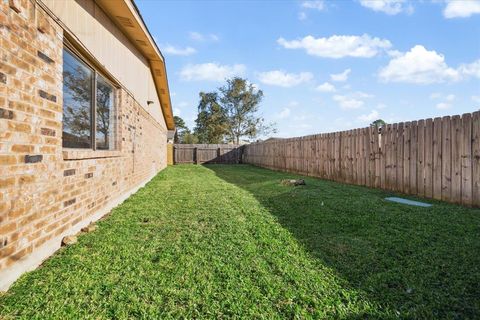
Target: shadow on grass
[(422, 262)]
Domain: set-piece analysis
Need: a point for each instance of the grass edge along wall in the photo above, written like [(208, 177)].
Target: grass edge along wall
[(48, 191), (432, 158)]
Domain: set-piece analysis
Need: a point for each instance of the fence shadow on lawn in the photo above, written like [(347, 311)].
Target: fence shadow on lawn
[(423, 262)]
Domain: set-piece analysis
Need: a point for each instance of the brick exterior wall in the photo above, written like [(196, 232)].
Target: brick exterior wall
[(47, 192)]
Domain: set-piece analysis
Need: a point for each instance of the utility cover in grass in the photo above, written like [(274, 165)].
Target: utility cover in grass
[(409, 202)]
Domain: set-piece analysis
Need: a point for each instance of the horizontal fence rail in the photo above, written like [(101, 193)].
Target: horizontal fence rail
[(207, 153), (433, 158)]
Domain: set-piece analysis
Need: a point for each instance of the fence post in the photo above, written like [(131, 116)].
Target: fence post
[(195, 155)]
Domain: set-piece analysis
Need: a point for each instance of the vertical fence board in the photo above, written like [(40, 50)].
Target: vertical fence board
[(429, 158), (467, 159), (388, 158), (421, 158), (476, 158), (371, 156), (353, 153), (413, 157), (399, 157), (376, 145), (382, 158), (446, 159), (406, 158), (437, 158), (456, 133)]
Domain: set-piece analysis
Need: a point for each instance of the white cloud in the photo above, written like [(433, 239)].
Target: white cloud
[(177, 111), (338, 46), (169, 49), (197, 36), (326, 87), (372, 116), (302, 16), (461, 8), (283, 79), (390, 7), (346, 102), (443, 105), (394, 53), (447, 103), (342, 76), (211, 71), (314, 4), (476, 99), (470, 69), (419, 66), (363, 95), (284, 113), (450, 97)]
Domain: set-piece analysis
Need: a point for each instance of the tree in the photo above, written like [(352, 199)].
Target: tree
[(230, 113), (77, 103), (190, 138), (77, 113), (378, 123), (104, 105), (240, 101), (181, 131), (211, 123)]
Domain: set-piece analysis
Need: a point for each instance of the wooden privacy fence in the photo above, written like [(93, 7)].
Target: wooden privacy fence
[(207, 153), (433, 158)]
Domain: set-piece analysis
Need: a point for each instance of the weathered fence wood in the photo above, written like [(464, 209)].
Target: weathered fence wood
[(446, 160), (437, 158), (421, 158), (429, 158), (476, 158), (434, 158), (467, 159), (456, 159), (207, 153)]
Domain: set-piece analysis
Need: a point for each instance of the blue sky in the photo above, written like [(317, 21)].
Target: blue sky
[(324, 65)]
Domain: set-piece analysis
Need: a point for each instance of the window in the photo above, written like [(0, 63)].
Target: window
[(88, 114)]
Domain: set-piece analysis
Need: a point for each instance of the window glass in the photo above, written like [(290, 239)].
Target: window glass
[(104, 115), (77, 102)]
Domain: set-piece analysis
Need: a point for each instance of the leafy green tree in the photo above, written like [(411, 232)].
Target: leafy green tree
[(181, 131), (240, 102), (190, 138), (231, 113), (378, 123), (211, 123)]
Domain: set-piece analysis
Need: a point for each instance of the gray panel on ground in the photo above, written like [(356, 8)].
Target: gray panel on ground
[(409, 202)]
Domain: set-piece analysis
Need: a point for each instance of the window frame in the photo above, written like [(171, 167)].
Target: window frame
[(93, 104)]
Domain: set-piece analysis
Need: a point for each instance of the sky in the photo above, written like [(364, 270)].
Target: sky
[(324, 66)]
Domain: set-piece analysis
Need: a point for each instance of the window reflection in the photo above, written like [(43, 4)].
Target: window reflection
[(104, 116), (80, 105), (77, 102)]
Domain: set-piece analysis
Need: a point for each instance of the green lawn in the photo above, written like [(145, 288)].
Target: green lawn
[(232, 242)]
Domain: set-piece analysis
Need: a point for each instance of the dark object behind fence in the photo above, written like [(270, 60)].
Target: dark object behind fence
[(207, 153)]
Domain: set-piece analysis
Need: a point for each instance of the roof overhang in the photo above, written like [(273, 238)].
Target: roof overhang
[(126, 16)]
